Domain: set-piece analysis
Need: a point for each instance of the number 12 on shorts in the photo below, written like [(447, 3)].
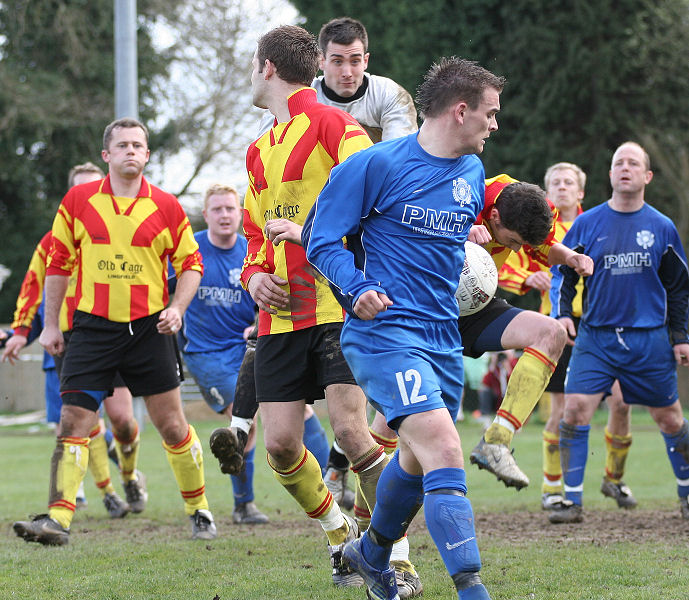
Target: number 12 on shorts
[(410, 375)]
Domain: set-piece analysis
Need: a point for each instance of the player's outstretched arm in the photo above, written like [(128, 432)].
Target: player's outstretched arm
[(348, 197), (479, 234), (562, 255)]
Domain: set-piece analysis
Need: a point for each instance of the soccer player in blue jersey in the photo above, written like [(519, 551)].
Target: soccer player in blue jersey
[(215, 326), (633, 327), (406, 207)]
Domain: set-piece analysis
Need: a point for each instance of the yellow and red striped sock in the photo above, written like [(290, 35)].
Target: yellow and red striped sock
[(552, 470), (67, 469), (527, 382), (186, 460), (616, 451), (128, 455), (304, 481), (99, 464), (389, 444)]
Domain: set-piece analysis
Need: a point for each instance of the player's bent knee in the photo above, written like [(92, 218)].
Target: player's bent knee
[(173, 429), (124, 430), (282, 451), (557, 336)]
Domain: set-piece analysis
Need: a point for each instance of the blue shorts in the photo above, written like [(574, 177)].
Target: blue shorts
[(406, 366), (216, 374), (642, 359), (53, 402)]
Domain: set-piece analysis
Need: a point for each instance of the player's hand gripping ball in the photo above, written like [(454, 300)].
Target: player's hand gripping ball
[(478, 281)]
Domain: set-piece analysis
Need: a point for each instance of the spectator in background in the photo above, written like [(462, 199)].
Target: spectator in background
[(494, 384)]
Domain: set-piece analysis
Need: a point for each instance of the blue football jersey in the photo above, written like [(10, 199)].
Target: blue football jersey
[(406, 216), (640, 276), (221, 309)]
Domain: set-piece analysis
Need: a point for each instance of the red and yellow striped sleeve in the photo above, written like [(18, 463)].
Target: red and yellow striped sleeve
[(257, 257), (520, 265), (185, 254), (31, 291), (514, 272), (63, 252)]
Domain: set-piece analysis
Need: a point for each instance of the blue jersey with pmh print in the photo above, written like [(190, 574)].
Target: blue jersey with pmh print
[(406, 216), (640, 276), (221, 309)]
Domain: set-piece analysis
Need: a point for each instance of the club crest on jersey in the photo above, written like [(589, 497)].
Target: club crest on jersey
[(461, 191), (645, 238), (233, 276)]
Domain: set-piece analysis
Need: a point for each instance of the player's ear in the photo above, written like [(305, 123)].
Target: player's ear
[(649, 176), (365, 61), (459, 111)]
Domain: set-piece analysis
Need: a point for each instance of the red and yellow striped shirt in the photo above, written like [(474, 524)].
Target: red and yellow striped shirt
[(119, 248), (498, 252), (288, 167), (519, 266)]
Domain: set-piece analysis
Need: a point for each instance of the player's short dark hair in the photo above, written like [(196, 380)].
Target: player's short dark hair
[(293, 51), (124, 123), (344, 31), (524, 209), (451, 80)]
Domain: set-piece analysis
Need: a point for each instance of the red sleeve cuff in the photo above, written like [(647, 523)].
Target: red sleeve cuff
[(58, 271)]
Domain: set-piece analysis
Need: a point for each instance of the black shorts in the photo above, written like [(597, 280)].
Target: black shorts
[(299, 365), (148, 361), (481, 332), (557, 380), (117, 382)]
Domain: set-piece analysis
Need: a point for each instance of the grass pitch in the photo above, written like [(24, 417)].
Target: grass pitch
[(614, 554)]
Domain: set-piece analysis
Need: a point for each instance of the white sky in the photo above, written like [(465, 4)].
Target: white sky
[(175, 172)]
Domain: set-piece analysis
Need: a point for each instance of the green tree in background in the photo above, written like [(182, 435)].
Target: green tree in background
[(583, 76), (56, 96)]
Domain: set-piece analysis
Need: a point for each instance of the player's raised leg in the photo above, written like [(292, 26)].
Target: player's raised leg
[(542, 339)]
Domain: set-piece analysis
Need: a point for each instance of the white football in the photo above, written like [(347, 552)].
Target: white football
[(478, 281)]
